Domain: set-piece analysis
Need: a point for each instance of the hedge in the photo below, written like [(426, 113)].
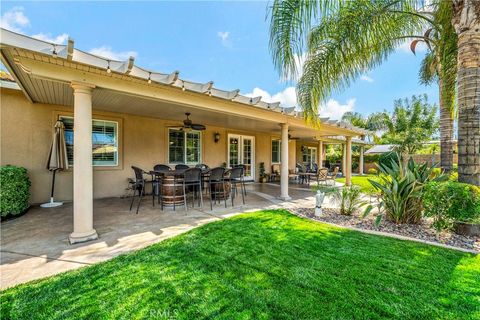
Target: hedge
[(14, 190), (448, 202)]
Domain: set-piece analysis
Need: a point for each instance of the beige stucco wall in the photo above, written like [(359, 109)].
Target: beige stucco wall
[(26, 131)]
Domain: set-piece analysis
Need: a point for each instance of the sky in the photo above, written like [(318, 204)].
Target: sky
[(221, 41)]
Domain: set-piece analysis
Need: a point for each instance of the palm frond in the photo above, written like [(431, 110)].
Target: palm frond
[(357, 37), (290, 22)]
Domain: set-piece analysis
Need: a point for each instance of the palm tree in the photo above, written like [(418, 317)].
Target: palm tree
[(466, 20), (440, 65), (374, 122), (353, 36)]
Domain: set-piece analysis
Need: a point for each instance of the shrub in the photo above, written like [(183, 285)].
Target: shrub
[(349, 199), (372, 171), (14, 190), (401, 190), (451, 201)]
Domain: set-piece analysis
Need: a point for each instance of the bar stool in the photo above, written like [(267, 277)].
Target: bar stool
[(234, 179), (216, 179)]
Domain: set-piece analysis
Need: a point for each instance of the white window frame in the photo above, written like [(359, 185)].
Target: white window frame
[(185, 147), (279, 151), (116, 140), (309, 154)]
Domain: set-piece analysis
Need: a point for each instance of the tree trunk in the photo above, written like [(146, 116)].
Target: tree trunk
[(466, 20), (446, 133)]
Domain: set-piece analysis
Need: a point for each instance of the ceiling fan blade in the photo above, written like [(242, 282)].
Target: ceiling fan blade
[(196, 126)]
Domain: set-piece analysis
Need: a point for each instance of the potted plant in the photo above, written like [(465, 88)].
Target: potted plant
[(263, 175)]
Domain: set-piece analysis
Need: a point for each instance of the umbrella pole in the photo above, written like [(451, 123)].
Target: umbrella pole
[(53, 185), (52, 204)]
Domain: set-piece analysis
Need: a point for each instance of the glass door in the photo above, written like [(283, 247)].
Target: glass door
[(241, 150), (309, 156), (247, 157), (233, 150)]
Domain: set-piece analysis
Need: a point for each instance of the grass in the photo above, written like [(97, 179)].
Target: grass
[(263, 265), (362, 182)]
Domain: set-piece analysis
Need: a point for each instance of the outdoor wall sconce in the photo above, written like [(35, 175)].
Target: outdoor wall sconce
[(216, 137), (302, 148)]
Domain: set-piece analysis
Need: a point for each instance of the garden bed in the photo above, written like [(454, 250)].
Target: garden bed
[(422, 231)]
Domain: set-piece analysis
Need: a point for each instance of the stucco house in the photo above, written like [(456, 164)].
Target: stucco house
[(118, 115)]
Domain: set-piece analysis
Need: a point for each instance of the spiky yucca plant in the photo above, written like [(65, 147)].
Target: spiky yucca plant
[(401, 189)]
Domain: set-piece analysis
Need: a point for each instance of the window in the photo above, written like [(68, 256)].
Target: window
[(184, 147), (276, 155), (104, 142)]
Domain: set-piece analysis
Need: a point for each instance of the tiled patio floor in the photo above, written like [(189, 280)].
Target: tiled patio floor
[(36, 245)]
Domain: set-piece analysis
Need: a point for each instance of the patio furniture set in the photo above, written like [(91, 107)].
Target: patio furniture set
[(172, 187), (305, 174)]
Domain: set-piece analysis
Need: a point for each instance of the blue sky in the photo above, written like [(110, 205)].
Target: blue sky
[(226, 42)]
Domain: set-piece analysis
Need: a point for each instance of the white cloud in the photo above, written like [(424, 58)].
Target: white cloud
[(225, 38), (286, 97), (60, 39), (107, 52), (366, 78), (14, 20), (334, 110)]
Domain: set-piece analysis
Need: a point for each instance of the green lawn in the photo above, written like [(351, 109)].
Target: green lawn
[(362, 182), (263, 265)]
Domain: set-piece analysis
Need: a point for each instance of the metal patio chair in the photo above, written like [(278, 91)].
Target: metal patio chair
[(235, 178), (215, 181), (192, 180), (139, 186)]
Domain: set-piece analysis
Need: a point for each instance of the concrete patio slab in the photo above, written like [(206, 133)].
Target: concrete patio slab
[(36, 245)]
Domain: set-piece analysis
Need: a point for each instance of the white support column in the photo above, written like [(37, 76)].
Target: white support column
[(344, 160), (348, 165), (82, 164), (360, 161), (284, 164), (320, 154)]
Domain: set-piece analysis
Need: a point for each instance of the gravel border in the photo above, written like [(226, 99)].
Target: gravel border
[(422, 232)]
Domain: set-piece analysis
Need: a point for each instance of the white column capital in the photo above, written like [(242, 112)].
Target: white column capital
[(283, 125), (82, 87)]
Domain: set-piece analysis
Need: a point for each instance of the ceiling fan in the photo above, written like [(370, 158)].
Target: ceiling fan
[(290, 136), (189, 125)]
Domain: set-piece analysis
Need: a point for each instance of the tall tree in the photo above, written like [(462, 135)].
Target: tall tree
[(440, 65), (342, 39), (374, 122), (466, 20), (411, 124)]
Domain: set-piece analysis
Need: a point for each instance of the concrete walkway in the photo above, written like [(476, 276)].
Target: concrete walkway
[(36, 245)]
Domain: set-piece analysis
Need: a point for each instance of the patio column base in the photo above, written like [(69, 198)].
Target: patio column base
[(82, 237), (287, 198)]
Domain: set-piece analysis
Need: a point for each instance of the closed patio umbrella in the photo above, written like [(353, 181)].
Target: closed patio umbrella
[(57, 159)]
